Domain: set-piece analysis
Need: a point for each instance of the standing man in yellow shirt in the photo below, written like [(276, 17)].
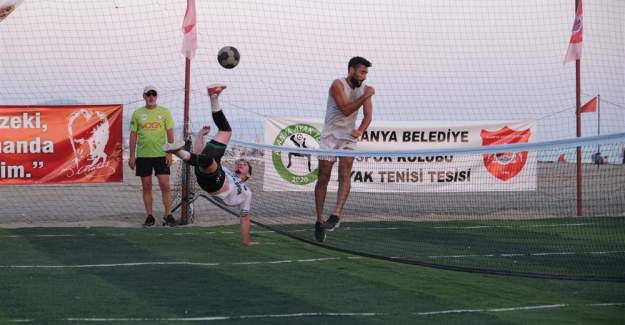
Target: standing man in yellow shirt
[(150, 126)]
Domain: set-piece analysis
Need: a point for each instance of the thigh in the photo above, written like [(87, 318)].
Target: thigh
[(163, 181), (146, 182), (345, 165), (328, 143), (215, 150), (325, 168)]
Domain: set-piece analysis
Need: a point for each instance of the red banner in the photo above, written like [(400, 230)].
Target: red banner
[(61, 144)]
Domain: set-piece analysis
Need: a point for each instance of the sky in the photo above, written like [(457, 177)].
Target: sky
[(432, 60)]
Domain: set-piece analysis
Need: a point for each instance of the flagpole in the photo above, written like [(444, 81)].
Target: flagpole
[(598, 118), (578, 123), (189, 45), (185, 135)]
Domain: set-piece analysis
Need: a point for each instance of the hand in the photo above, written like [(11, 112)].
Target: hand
[(204, 131), (132, 162), (168, 159), (356, 133), (369, 91)]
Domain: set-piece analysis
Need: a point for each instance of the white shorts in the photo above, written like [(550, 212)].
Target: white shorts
[(331, 142)]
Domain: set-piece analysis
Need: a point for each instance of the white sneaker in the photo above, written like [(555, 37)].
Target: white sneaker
[(173, 147), (215, 89)]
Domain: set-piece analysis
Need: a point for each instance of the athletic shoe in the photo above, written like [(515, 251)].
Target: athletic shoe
[(149, 221), (215, 89), (320, 233), (169, 221), (332, 223), (173, 147)]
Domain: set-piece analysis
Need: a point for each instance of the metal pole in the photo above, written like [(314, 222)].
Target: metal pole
[(578, 122), (184, 212), (598, 120)]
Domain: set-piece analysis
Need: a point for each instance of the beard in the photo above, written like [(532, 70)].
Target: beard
[(355, 82)]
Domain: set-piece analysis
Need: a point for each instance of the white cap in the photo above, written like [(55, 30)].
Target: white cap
[(148, 88)]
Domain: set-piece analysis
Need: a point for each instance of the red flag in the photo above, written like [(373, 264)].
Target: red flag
[(589, 107), (575, 44), (189, 42)]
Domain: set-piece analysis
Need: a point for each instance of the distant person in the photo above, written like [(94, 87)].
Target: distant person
[(623, 153), (151, 127), (226, 186), (597, 158), (345, 98)]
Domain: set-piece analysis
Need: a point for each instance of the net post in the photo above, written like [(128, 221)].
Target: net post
[(184, 212)]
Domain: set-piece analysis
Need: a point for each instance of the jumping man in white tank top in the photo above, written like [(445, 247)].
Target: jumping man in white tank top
[(345, 98)]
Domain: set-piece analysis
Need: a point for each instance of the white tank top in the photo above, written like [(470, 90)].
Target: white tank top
[(337, 124), (238, 193)]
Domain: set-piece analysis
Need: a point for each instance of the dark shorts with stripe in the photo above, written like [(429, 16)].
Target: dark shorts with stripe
[(212, 182)]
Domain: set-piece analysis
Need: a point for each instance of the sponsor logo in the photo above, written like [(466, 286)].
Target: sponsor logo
[(505, 165), (151, 125), (297, 168)]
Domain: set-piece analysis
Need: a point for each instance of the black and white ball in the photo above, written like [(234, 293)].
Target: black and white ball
[(228, 57)]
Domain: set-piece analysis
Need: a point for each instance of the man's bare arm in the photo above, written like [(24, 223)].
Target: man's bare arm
[(337, 92)]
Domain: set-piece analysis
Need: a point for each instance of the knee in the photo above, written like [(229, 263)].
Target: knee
[(323, 179), (147, 187)]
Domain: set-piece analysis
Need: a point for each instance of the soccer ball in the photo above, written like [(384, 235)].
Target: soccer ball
[(228, 57)]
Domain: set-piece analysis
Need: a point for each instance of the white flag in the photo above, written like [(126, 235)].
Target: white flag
[(575, 44), (189, 42)]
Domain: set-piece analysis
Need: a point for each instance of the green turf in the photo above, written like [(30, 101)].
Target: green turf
[(580, 247), (234, 288)]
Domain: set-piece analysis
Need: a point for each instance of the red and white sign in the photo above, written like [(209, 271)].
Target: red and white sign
[(505, 165), (60, 144)]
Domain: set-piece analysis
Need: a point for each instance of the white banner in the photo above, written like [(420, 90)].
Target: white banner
[(511, 171)]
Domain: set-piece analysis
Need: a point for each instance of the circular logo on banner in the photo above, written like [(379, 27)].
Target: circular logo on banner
[(297, 168)]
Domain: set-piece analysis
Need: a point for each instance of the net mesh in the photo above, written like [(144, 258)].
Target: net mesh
[(490, 60)]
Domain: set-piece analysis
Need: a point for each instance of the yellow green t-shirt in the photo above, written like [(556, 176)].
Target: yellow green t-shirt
[(151, 125)]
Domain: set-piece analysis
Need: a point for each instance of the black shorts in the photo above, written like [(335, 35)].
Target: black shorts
[(215, 181), (145, 166)]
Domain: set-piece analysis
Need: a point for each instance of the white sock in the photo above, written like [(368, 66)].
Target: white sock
[(183, 154), (215, 104)]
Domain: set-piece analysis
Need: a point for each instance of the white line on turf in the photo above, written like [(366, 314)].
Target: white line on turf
[(516, 254), (308, 260), (321, 314), (494, 310), (344, 228), (519, 226), (76, 266)]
